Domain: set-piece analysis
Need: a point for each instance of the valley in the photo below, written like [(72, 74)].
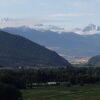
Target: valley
[(84, 45), (49, 50)]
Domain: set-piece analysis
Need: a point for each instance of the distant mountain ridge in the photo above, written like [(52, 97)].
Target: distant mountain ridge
[(90, 29), (18, 51), (66, 43)]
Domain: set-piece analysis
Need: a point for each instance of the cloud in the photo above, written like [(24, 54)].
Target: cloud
[(9, 2), (98, 1), (68, 14), (74, 4), (8, 22)]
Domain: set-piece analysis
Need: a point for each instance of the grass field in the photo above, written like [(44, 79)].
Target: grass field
[(87, 92)]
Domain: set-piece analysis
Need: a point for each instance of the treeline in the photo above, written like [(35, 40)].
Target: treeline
[(12, 81), (8, 86), (22, 79)]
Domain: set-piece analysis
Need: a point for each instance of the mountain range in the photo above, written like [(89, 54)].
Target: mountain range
[(87, 30), (19, 51), (66, 43)]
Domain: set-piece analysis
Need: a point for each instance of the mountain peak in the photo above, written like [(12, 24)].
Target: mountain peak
[(90, 27)]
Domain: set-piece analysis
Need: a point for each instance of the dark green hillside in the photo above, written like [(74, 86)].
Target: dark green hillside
[(18, 51), (94, 61)]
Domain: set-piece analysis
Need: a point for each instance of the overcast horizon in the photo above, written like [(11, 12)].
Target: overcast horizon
[(68, 13)]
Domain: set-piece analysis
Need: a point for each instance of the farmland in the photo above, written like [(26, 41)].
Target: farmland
[(86, 92)]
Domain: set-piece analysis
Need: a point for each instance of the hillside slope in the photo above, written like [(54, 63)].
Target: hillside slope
[(94, 61), (18, 51)]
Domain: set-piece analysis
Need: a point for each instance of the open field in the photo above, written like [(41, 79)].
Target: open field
[(87, 92)]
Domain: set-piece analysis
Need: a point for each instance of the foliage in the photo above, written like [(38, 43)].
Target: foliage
[(28, 78), (9, 92)]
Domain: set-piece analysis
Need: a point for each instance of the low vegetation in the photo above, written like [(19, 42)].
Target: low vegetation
[(52, 84), (87, 92)]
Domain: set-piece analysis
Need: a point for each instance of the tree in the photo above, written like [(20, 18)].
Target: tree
[(8, 92)]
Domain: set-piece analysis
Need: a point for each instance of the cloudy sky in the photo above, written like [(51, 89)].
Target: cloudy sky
[(69, 13)]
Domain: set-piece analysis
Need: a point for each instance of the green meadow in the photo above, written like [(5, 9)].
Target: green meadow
[(87, 92)]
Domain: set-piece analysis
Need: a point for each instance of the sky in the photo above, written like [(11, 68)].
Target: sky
[(68, 13)]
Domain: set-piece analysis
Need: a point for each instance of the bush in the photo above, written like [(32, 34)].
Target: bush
[(8, 92)]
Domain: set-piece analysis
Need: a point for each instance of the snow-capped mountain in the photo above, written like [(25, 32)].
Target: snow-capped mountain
[(88, 30), (91, 29), (9, 22), (43, 27)]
